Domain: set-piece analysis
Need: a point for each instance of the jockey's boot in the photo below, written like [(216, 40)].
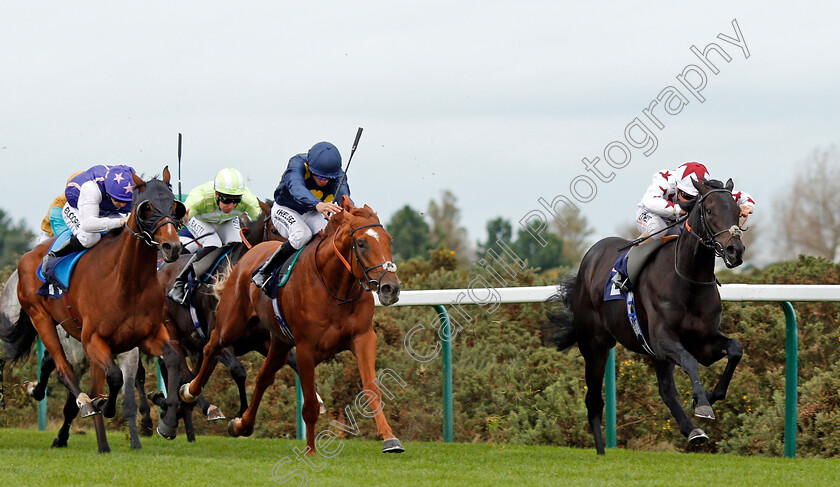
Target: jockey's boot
[(178, 293), (277, 258), (71, 245)]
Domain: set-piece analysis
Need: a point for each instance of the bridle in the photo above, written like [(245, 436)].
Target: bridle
[(367, 284), (146, 228), (709, 240)]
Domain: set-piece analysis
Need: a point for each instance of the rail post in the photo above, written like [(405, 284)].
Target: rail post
[(446, 354), (791, 378)]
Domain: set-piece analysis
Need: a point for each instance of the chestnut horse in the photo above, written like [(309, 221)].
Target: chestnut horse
[(327, 309), (677, 304), (114, 303), (189, 340)]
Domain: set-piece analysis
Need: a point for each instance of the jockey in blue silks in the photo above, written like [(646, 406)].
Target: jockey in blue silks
[(307, 194), (97, 200)]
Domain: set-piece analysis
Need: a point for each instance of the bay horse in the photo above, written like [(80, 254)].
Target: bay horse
[(114, 303), (677, 303), (326, 306), (188, 340)]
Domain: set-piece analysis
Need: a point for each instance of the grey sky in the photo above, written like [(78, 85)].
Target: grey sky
[(497, 101)]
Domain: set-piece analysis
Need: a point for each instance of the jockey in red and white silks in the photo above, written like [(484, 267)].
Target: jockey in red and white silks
[(660, 207)]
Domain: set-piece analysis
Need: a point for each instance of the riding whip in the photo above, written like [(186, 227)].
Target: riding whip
[(179, 166), (642, 239), (352, 151)]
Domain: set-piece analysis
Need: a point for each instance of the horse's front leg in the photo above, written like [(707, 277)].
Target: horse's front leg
[(238, 374), (733, 351), (128, 365), (364, 348), (100, 357), (97, 388), (2, 390), (273, 361), (146, 426), (668, 393), (292, 361), (158, 345), (670, 348), (70, 412)]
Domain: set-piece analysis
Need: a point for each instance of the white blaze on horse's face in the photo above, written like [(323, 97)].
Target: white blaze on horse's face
[(372, 233)]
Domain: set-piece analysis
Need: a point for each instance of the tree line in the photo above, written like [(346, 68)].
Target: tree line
[(805, 220)]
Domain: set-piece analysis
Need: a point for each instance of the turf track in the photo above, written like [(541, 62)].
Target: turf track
[(26, 459)]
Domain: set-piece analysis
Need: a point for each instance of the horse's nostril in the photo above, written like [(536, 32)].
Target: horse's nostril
[(166, 247), (386, 289)]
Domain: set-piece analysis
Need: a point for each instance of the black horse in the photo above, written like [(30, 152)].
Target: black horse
[(677, 304)]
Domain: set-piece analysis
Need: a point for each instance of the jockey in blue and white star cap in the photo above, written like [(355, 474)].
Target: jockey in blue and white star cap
[(307, 194), (660, 205), (98, 200)]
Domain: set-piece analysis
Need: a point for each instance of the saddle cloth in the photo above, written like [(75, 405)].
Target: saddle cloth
[(56, 277)]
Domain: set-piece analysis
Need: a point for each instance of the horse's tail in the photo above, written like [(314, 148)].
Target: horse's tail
[(16, 330), (221, 280), (560, 330)]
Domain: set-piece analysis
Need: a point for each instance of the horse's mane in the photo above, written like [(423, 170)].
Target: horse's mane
[(361, 212), (709, 183)]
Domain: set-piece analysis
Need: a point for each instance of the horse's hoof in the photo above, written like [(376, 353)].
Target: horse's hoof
[(321, 408), (105, 449), (697, 437), (156, 398), (101, 404), (89, 410), (392, 445), (136, 446), (167, 431), (29, 389), (704, 412), (214, 413), (184, 392), (232, 427), (59, 443), (146, 429)]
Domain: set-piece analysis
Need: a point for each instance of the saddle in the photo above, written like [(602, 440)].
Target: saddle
[(639, 256), (630, 264), (280, 276), (207, 265)]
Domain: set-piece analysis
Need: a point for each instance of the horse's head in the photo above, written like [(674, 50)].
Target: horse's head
[(370, 249), (714, 220), (154, 209), (261, 229)]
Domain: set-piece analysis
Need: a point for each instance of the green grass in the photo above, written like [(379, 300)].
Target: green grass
[(27, 459)]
